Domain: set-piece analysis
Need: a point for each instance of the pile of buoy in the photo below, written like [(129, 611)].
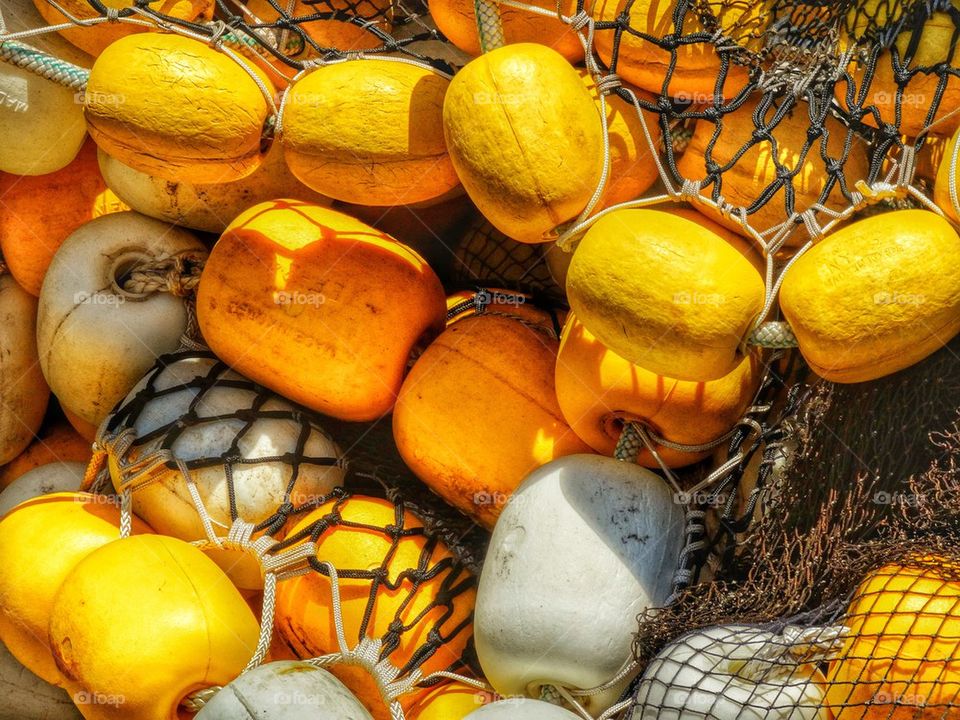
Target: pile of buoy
[(211, 262)]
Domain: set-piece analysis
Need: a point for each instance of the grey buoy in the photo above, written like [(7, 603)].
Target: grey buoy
[(285, 690)]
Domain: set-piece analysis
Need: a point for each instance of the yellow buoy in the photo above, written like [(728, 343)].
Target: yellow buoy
[(665, 292), (176, 108), (876, 296), (525, 138), (369, 132)]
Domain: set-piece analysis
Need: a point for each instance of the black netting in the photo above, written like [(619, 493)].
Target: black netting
[(836, 583), (191, 414), (845, 595)]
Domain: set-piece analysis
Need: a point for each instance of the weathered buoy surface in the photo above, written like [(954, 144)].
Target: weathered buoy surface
[(370, 132), (525, 138), (479, 411), (176, 108), (30, 234), (205, 414), (56, 442), (665, 292), (43, 480), (333, 307), (606, 519), (875, 296), (22, 386), (95, 339), (209, 207), (286, 689)]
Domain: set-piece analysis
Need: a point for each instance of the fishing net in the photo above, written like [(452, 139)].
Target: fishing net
[(843, 601), (192, 416), (803, 116)]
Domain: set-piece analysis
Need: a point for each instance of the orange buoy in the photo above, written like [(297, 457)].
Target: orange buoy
[(29, 233), (318, 307), (408, 592), (478, 410)]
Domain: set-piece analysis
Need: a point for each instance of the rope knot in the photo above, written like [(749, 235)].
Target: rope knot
[(175, 274), (609, 83), (690, 190), (113, 14), (219, 28), (580, 20), (240, 535)]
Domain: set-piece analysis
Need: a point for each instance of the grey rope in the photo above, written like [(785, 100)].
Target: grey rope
[(773, 334), (47, 66)]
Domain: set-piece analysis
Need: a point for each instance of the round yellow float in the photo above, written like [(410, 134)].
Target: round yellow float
[(876, 296), (525, 138), (176, 108), (666, 293)]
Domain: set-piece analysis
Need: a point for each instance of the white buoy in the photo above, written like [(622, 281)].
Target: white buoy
[(95, 339), (42, 480), (284, 690), (259, 488), (521, 709), (205, 207), (584, 546)]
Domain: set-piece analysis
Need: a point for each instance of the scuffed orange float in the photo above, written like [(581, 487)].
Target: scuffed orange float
[(599, 391), (457, 20), (93, 40), (56, 443), (23, 389), (304, 616), (318, 306), (29, 233), (698, 64), (755, 170), (478, 411)]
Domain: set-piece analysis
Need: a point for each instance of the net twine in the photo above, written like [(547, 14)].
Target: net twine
[(805, 55), (278, 560)]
